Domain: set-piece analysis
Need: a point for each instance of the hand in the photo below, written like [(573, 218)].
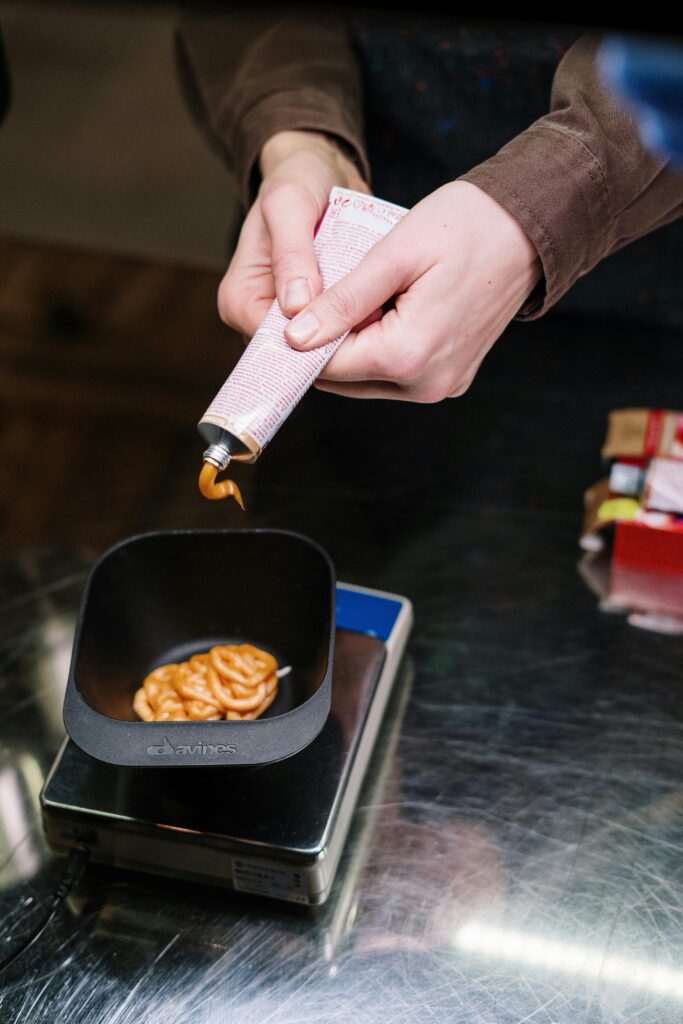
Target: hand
[(458, 268), (274, 254)]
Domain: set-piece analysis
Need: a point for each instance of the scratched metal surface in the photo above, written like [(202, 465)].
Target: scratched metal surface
[(521, 859)]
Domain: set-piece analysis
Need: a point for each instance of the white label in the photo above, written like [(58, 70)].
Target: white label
[(665, 486), (271, 378), (253, 876), (625, 479)]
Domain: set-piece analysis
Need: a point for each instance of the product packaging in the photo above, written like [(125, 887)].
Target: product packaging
[(271, 377)]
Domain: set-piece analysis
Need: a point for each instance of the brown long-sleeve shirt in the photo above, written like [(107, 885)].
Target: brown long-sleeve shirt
[(578, 180)]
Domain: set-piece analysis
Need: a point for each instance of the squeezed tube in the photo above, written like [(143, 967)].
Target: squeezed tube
[(271, 377)]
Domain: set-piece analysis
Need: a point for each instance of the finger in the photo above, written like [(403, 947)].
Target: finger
[(372, 319), (395, 348), (369, 321), (290, 214), (379, 276), (361, 357), (246, 292), (254, 310), (391, 359), (375, 389)]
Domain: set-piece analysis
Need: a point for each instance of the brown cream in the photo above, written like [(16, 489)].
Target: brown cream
[(216, 490)]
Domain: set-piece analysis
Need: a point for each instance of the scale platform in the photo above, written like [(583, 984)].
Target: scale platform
[(274, 830)]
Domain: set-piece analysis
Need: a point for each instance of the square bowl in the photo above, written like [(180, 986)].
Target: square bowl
[(161, 597)]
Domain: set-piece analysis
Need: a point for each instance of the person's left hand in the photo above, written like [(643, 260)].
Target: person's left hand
[(275, 255), (458, 267)]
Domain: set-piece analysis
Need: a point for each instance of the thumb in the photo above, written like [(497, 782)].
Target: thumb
[(290, 214), (358, 295)]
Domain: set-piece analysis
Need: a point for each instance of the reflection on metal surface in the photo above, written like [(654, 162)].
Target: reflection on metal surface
[(21, 852), (536, 770), (561, 957), (52, 670), (375, 796)]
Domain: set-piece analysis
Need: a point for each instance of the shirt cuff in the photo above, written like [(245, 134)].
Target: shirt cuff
[(548, 179)]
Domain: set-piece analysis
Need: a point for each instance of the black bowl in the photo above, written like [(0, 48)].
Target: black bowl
[(161, 597)]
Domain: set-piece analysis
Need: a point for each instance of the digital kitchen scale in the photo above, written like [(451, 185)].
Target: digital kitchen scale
[(274, 830)]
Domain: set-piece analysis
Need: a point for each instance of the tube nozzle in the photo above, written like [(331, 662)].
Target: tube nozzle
[(218, 455)]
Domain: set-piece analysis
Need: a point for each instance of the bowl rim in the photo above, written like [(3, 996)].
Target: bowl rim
[(76, 709)]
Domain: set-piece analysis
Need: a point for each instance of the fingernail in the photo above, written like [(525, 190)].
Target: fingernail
[(302, 328), (297, 293)]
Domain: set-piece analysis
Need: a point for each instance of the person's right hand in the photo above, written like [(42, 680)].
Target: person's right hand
[(274, 254)]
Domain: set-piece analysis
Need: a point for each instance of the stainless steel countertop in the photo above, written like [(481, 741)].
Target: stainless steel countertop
[(521, 861)]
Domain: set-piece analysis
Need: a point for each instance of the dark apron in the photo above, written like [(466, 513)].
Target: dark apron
[(441, 97)]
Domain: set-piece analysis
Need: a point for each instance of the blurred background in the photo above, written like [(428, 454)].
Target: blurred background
[(115, 220), (98, 150)]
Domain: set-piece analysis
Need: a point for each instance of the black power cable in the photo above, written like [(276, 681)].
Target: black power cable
[(76, 863)]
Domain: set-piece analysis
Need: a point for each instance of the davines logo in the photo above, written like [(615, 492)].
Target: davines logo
[(192, 749)]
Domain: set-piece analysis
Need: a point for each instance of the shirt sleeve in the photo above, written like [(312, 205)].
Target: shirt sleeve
[(579, 180), (249, 75)]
